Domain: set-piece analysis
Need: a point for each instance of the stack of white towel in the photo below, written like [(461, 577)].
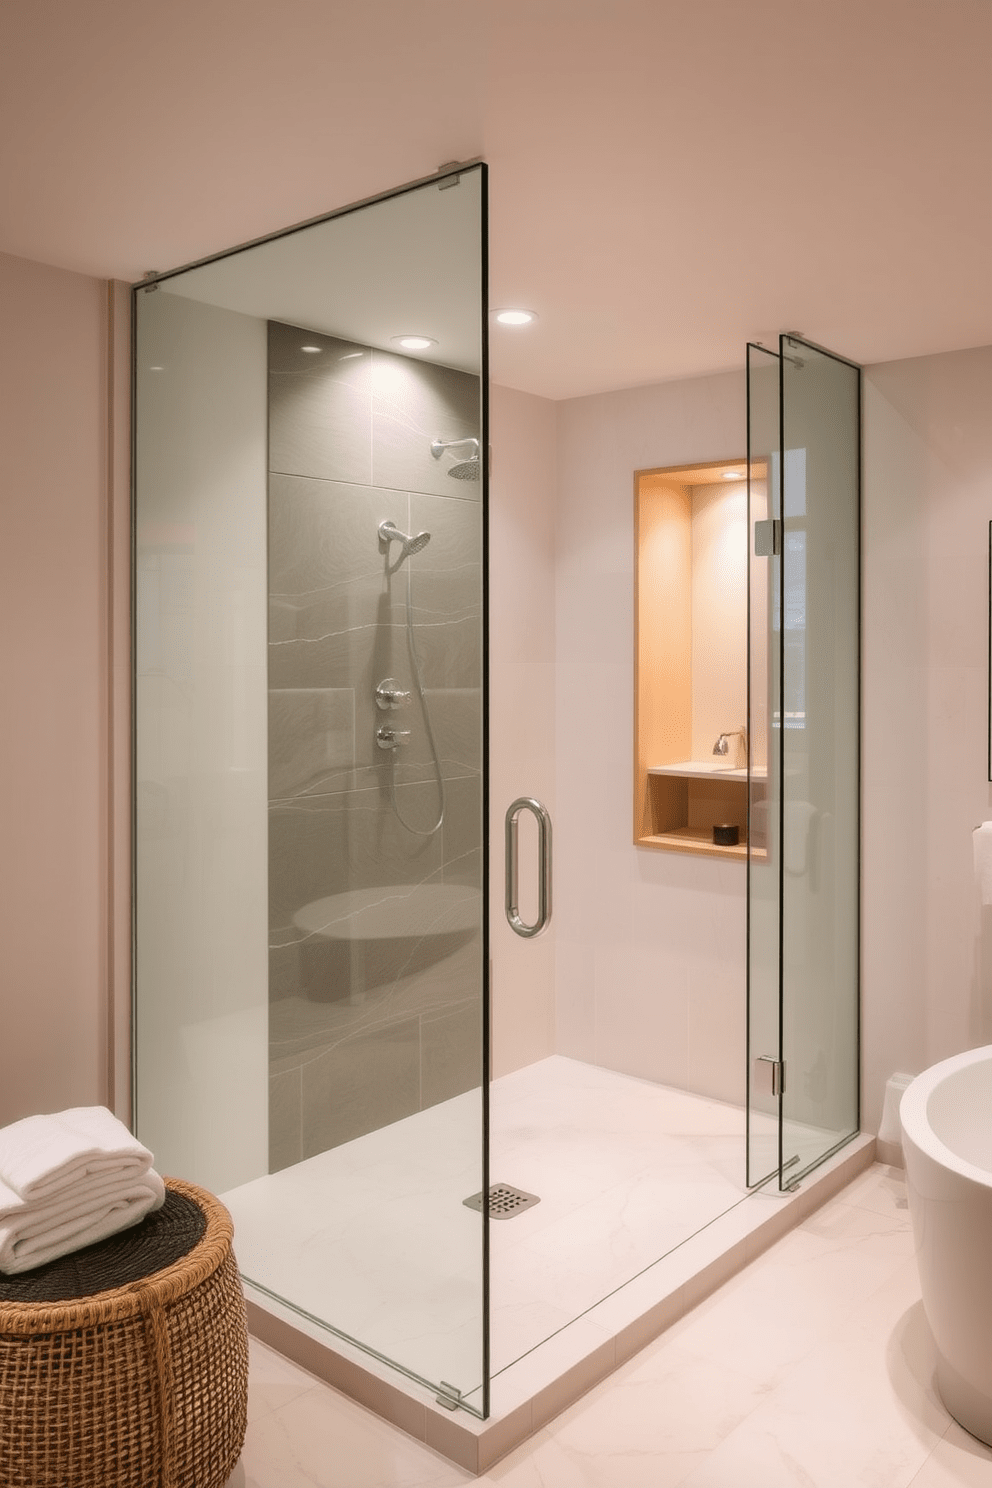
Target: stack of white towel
[(67, 1180)]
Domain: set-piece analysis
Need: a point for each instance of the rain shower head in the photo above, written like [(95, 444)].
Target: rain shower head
[(389, 532), (465, 469), (462, 469)]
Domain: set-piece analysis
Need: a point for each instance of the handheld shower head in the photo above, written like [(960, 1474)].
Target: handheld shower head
[(389, 532)]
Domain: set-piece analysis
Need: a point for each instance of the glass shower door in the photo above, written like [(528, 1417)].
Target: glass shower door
[(820, 698), (764, 1011), (804, 699), (311, 943)]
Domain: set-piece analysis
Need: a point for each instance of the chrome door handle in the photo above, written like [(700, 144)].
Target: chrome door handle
[(528, 803)]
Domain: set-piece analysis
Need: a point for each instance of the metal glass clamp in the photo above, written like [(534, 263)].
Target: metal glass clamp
[(768, 537), (777, 1072)]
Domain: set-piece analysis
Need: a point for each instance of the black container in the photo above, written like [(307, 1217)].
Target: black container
[(726, 835)]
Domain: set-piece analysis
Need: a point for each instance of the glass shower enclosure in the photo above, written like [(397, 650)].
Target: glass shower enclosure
[(804, 568), (311, 1003), (310, 1018)]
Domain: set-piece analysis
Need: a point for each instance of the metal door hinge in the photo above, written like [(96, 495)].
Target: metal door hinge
[(777, 1072), (768, 538), (450, 1396)]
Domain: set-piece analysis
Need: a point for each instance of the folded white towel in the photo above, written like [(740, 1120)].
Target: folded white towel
[(32, 1233), (981, 839), (42, 1155), (90, 1193)]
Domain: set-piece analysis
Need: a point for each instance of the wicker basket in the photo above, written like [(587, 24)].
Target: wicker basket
[(144, 1386)]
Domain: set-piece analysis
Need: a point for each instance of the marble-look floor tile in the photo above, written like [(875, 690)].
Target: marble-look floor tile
[(322, 1440), (273, 1380), (957, 1461), (882, 1189), (677, 1405), (859, 1407), (550, 1463), (807, 1287)]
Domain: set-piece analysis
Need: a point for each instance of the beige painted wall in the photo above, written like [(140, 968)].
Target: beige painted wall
[(719, 616), (119, 720), (650, 945), (54, 663), (927, 944)]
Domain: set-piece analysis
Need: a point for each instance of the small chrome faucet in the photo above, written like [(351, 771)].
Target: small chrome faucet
[(722, 745)]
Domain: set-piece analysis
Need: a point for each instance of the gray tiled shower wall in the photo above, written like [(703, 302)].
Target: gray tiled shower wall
[(376, 1014)]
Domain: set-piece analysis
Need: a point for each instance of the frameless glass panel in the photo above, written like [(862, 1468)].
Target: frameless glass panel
[(764, 1032), (820, 736), (310, 941)]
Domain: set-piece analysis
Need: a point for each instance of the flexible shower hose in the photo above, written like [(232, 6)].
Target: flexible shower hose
[(438, 775)]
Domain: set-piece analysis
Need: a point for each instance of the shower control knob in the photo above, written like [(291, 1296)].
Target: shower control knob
[(389, 694), (388, 738)]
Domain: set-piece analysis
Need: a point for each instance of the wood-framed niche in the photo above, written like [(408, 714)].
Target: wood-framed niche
[(690, 657)]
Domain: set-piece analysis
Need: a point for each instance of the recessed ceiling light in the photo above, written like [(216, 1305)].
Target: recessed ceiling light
[(310, 348), (515, 317), (413, 343), (732, 475)]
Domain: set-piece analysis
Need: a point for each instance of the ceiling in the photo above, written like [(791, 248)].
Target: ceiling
[(407, 263), (667, 179)]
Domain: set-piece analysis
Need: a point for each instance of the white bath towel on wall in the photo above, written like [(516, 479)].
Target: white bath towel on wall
[(42, 1155), (33, 1232)]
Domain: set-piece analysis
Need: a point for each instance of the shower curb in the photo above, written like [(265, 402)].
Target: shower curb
[(529, 1394)]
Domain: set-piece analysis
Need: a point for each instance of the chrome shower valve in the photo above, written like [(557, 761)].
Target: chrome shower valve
[(388, 738), (389, 694)]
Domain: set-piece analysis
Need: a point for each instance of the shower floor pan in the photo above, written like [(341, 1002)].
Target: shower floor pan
[(581, 1281)]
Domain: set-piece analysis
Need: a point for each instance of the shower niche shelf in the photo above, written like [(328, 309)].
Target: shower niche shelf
[(688, 798), (690, 683)]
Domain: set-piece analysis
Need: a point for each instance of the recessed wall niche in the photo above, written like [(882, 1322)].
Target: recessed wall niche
[(690, 685)]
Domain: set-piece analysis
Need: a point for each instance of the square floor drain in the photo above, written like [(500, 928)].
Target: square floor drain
[(504, 1201)]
